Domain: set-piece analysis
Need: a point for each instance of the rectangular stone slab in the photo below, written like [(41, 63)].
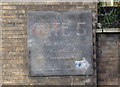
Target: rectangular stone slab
[(60, 43)]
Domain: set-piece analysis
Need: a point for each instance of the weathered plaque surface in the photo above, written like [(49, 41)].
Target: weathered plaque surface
[(60, 43)]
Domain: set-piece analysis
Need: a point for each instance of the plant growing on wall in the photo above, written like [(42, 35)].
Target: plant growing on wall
[(109, 17)]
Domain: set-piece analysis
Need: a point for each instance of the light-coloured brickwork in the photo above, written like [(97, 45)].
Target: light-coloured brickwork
[(14, 43)]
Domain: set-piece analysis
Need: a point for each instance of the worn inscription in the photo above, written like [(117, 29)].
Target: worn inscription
[(60, 43)]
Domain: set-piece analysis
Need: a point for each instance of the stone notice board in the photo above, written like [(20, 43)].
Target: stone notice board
[(60, 43)]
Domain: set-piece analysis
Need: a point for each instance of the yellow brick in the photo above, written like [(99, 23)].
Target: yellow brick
[(14, 32), (9, 7), (13, 11), (13, 20), (13, 28)]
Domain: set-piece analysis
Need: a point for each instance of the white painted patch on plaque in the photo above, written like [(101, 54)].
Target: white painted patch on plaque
[(83, 64)]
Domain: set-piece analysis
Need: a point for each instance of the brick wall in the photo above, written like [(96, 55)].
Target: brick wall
[(14, 41), (0, 44), (14, 44), (108, 59)]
